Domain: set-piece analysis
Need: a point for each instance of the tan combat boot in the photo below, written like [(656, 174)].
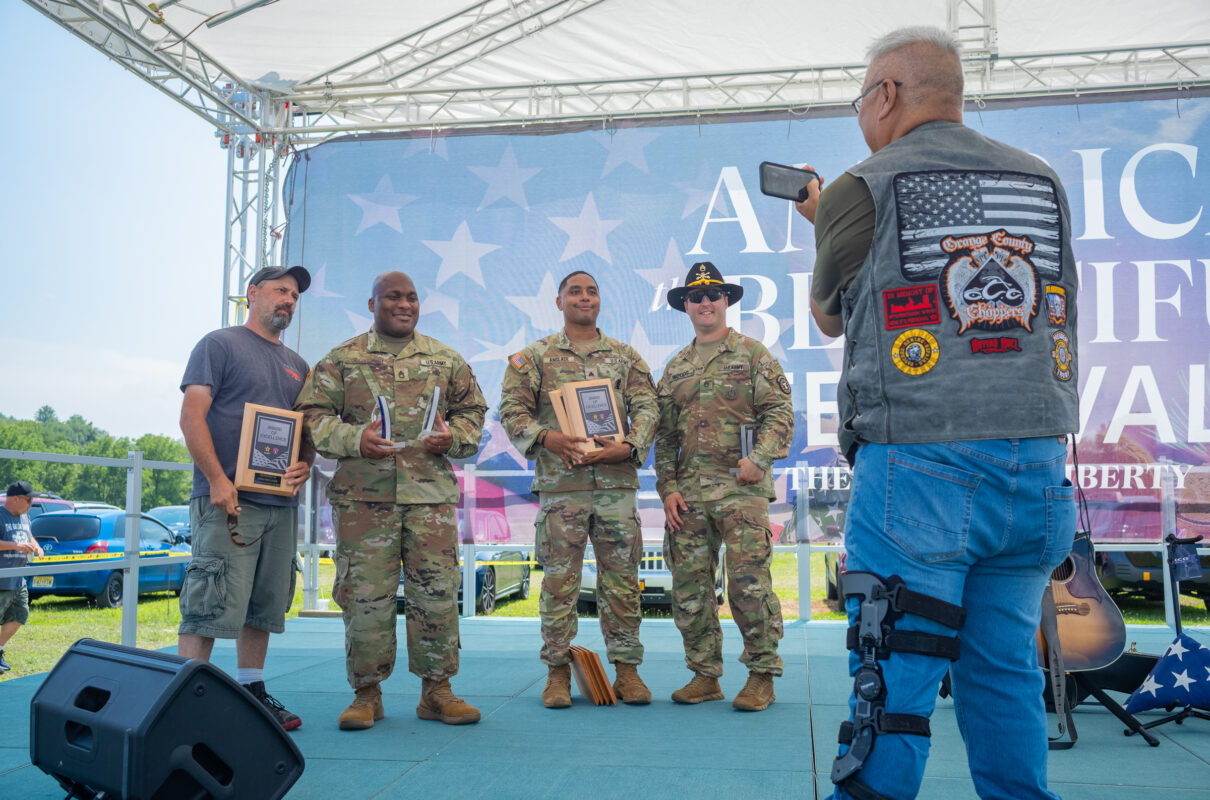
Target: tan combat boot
[(699, 690), (557, 693), (437, 702), (757, 693), (364, 711), (629, 687)]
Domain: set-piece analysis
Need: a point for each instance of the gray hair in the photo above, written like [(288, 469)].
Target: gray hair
[(943, 40)]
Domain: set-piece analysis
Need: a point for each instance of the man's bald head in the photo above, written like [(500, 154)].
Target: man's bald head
[(927, 60), (386, 278), (394, 304)]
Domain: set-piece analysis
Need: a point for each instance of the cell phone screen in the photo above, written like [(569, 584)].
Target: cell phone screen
[(788, 183)]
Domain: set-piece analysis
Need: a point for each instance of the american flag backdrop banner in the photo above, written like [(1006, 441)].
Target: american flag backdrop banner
[(488, 223), (933, 205)]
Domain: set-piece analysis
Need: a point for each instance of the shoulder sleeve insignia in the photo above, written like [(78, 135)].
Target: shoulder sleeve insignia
[(783, 384), (518, 360)]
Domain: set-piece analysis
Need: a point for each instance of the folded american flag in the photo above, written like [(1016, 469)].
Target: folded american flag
[(1180, 678)]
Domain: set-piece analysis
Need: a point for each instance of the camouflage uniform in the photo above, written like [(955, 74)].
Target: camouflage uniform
[(394, 508), (702, 407), (594, 502)]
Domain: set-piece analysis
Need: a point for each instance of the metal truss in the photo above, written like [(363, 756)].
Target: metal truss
[(322, 112)]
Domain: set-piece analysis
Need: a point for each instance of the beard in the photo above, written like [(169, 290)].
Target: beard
[(280, 319)]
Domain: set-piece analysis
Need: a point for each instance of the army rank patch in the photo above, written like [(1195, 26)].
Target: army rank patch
[(996, 344), (518, 360), (1062, 355), (915, 352), (910, 306), (783, 384), (1056, 306)]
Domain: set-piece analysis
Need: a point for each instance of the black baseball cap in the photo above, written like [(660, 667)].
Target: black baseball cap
[(273, 273), (20, 489)]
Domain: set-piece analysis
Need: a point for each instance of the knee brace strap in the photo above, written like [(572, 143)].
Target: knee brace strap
[(859, 791), (924, 644), (909, 724)]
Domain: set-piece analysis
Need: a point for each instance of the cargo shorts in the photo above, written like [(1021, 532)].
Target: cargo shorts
[(14, 606), (228, 587)]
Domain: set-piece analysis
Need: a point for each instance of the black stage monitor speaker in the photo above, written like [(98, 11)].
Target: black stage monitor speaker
[(113, 721)]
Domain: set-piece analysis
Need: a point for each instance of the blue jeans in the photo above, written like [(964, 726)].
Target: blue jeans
[(981, 525)]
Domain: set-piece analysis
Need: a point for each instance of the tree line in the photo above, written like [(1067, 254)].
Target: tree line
[(46, 433)]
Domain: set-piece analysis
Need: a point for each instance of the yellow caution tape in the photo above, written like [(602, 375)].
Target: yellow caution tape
[(97, 557)]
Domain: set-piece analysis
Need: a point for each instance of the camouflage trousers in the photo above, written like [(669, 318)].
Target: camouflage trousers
[(742, 525), (564, 525), (372, 538)]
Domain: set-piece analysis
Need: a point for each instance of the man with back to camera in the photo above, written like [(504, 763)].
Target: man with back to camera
[(584, 496), (945, 259), (240, 583), (17, 544), (713, 394), (394, 498)]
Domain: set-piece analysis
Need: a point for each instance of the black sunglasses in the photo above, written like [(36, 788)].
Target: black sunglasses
[(706, 294)]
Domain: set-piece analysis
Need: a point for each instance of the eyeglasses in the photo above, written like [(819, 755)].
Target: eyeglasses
[(706, 294), (857, 103)]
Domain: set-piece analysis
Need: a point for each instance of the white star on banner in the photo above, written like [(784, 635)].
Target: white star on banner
[(698, 193), (318, 284), (1150, 685), (381, 206), (498, 443), (506, 180), (1176, 649), (433, 145), (586, 232), (460, 254), (656, 355), (360, 322), (672, 269), (1183, 681), (437, 303), (492, 352), (540, 309), (625, 147)]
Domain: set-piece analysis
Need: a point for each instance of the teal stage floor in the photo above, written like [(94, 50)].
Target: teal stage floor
[(664, 750)]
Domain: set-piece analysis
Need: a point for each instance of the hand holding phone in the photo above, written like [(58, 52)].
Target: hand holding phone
[(788, 183)]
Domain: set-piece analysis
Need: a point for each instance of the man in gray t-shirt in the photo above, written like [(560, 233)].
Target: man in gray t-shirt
[(240, 582), (17, 544)]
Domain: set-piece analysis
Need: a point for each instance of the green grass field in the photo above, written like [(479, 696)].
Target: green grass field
[(56, 622)]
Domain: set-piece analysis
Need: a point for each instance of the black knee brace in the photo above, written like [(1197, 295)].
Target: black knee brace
[(883, 602)]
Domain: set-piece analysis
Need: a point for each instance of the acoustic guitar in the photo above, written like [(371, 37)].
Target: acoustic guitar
[(1092, 632)]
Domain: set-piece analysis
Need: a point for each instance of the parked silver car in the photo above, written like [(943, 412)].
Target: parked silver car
[(655, 580)]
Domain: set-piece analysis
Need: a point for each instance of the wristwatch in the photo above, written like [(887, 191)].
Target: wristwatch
[(634, 451)]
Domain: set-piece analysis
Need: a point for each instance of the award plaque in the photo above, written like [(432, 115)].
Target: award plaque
[(747, 440), (269, 443), (430, 414), (592, 411)]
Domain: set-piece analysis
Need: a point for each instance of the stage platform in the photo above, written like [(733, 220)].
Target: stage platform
[(664, 750)]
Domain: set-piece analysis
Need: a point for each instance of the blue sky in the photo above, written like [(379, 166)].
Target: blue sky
[(111, 266)]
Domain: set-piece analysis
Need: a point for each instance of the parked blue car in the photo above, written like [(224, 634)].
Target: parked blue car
[(96, 532)]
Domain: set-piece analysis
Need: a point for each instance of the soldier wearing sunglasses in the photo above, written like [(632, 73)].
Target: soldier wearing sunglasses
[(725, 417)]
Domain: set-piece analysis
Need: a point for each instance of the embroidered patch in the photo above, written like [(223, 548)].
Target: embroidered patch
[(996, 344), (740, 367), (1062, 355), (436, 362), (915, 352), (518, 360), (1056, 306), (678, 376), (989, 283), (911, 306), (783, 384)]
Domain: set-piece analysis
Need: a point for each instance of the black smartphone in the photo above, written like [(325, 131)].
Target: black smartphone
[(789, 183)]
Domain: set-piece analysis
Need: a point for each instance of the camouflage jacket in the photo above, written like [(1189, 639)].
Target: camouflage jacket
[(525, 408), (339, 399), (702, 407)]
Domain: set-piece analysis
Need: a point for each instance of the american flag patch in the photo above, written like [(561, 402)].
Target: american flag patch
[(935, 205), (518, 360)]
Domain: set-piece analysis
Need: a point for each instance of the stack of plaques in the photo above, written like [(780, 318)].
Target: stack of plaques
[(590, 677), (586, 409)]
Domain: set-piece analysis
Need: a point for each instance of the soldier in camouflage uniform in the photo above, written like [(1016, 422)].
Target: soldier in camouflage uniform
[(584, 495), (394, 498), (716, 495)]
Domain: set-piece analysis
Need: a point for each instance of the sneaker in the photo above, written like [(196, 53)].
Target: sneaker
[(4, 667), (284, 718)]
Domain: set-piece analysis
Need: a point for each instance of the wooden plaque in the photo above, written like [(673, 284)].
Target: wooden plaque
[(269, 443), (592, 410)]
